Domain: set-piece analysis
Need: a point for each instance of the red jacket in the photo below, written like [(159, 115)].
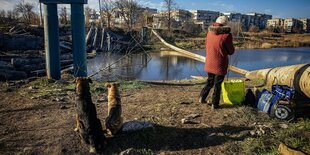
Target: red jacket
[(218, 46)]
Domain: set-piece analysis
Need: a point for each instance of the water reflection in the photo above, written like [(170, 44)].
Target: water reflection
[(116, 66), (171, 66), (253, 59)]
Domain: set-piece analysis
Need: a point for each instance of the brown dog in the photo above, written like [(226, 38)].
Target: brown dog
[(114, 121), (88, 125)]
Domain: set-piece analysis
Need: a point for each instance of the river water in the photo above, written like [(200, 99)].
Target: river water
[(161, 66)]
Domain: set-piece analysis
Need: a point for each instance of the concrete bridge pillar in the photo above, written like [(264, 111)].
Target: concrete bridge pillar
[(78, 40), (51, 37), (51, 31)]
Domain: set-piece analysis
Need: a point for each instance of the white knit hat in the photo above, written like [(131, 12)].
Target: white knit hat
[(222, 20)]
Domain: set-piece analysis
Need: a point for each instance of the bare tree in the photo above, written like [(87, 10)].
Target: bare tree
[(2, 17), (35, 19), (87, 12), (2, 14), (192, 28), (297, 29), (128, 11), (107, 8), (10, 14), (236, 28), (25, 9), (41, 15), (169, 5), (63, 16), (254, 29), (277, 29), (143, 18)]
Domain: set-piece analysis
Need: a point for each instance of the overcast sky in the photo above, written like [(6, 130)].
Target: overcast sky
[(277, 8)]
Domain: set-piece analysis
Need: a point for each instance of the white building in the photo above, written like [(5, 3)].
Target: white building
[(204, 17)]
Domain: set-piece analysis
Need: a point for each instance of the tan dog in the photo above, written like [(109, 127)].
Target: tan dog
[(114, 121), (88, 125)]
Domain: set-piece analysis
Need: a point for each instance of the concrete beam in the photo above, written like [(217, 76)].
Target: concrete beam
[(64, 1)]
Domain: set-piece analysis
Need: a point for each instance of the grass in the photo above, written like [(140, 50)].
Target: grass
[(155, 45), (295, 136), (43, 88), (254, 82), (128, 85), (190, 44)]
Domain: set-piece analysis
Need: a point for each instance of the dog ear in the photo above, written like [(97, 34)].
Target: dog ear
[(90, 80), (108, 85)]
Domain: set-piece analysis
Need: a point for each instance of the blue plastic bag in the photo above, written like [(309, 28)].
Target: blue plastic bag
[(283, 92), (266, 100)]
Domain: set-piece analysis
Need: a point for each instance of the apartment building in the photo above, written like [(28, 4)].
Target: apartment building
[(305, 24), (204, 18), (149, 10), (178, 17), (238, 17), (233, 17), (291, 24), (258, 19), (277, 22), (251, 19), (159, 20), (94, 17), (118, 19), (181, 15)]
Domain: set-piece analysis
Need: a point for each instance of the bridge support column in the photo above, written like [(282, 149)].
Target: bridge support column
[(78, 40), (51, 37)]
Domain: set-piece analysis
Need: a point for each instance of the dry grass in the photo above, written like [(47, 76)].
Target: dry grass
[(296, 136), (266, 45), (272, 40), (250, 40), (45, 125)]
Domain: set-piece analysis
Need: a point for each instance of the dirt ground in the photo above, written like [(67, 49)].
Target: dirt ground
[(45, 125)]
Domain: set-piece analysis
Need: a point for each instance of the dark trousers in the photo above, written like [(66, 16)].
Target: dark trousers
[(213, 80)]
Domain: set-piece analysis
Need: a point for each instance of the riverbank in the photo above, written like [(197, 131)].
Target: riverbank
[(38, 117), (246, 40)]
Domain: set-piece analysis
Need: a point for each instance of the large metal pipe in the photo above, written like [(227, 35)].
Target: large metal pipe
[(78, 40), (297, 76), (51, 36)]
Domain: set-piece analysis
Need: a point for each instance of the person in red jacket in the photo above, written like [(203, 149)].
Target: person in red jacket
[(219, 44)]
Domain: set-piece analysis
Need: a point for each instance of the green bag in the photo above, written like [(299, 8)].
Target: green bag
[(233, 91)]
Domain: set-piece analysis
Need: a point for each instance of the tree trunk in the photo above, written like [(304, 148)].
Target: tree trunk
[(109, 20), (169, 20)]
